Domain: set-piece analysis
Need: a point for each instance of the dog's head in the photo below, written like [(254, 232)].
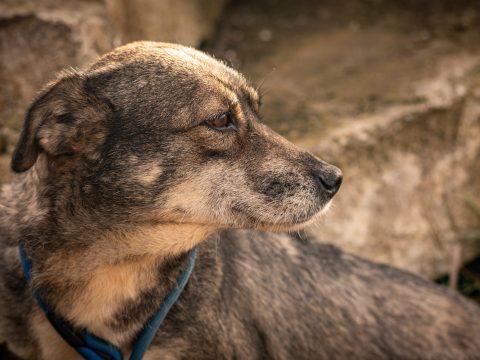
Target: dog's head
[(163, 133)]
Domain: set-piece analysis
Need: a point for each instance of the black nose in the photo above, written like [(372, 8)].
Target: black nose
[(329, 177)]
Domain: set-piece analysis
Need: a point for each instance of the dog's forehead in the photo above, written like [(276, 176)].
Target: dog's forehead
[(169, 78), (176, 61)]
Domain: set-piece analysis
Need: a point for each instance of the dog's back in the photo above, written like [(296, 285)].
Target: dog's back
[(260, 295)]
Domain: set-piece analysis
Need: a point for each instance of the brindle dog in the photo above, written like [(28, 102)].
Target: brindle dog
[(157, 149)]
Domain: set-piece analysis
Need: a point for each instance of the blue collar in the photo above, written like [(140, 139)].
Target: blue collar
[(92, 347)]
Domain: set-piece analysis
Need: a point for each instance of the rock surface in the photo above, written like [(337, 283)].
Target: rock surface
[(388, 91), (40, 38), (181, 21)]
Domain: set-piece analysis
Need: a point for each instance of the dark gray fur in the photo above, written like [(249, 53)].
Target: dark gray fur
[(103, 156)]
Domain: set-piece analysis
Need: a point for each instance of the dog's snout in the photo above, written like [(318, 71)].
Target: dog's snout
[(329, 177)]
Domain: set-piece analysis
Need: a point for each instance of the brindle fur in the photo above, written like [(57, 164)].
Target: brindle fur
[(119, 176)]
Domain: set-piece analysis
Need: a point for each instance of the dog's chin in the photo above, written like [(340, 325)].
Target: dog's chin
[(294, 225)]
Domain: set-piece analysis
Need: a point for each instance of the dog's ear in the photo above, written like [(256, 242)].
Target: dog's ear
[(57, 121)]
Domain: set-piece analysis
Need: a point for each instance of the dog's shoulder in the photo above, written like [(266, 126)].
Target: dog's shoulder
[(282, 284)]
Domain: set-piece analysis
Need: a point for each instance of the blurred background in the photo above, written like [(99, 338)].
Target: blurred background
[(388, 90)]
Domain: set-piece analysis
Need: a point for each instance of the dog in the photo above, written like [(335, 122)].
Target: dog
[(158, 149)]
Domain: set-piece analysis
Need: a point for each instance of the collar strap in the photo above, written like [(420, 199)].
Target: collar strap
[(92, 347)]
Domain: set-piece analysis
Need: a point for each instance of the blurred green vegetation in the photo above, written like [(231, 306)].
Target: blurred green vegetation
[(468, 280), (469, 274)]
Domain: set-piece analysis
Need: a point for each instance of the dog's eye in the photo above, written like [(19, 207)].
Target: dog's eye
[(223, 122)]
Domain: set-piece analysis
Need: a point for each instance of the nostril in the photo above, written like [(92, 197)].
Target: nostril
[(330, 179)]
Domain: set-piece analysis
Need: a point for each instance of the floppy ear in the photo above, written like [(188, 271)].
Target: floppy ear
[(27, 149), (53, 123)]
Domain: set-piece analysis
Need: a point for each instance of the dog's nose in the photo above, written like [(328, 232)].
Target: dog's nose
[(329, 177)]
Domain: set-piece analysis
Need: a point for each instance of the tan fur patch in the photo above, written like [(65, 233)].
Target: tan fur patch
[(108, 288), (146, 174)]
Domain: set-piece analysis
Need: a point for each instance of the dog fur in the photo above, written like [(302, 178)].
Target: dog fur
[(125, 167)]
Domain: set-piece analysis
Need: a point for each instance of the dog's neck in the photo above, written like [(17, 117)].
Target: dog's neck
[(110, 290), (109, 281)]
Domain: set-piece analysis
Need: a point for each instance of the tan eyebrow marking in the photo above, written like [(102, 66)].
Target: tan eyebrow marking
[(237, 109)]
